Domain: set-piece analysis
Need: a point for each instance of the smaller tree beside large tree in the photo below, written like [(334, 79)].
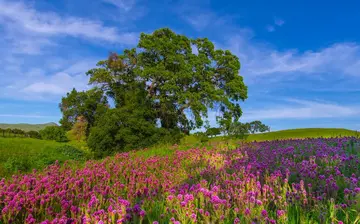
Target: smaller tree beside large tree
[(89, 105)]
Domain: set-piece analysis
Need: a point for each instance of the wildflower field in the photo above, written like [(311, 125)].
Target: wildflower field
[(283, 181)]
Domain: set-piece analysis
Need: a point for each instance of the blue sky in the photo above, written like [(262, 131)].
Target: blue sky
[(301, 61)]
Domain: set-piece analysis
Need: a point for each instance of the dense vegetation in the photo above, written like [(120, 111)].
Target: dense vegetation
[(161, 91), (26, 154), (290, 181), (148, 98)]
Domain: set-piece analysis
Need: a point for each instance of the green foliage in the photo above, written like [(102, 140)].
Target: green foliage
[(87, 104), (173, 79), (203, 137), (236, 129), (122, 130), (72, 152), (54, 133), (213, 132), (155, 87), (257, 126), (17, 163), (241, 130), (26, 154), (33, 134)]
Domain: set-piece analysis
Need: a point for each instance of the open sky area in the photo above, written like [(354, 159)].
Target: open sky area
[(300, 59)]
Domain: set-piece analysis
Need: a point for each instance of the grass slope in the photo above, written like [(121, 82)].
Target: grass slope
[(192, 141), (303, 133), (27, 127), (25, 154)]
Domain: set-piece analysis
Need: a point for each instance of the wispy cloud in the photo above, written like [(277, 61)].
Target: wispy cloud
[(126, 5), (21, 16), (37, 84), (277, 23), (261, 59), (303, 109)]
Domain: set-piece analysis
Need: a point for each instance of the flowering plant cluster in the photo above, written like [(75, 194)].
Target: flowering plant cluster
[(288, 181)]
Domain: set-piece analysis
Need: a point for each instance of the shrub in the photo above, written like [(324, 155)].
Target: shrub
[(54, 133), (72, 152), (119, 131), (34, 134)]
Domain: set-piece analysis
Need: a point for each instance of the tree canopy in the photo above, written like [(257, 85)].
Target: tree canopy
[(174, 79), (167, 82)]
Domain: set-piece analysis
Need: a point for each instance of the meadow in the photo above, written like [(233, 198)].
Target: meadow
[(25, 154), (21, 155), (283, 181), (301, 133)]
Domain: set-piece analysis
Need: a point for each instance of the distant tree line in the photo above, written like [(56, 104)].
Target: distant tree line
[(235, 129), (9, 132), (48, 133)]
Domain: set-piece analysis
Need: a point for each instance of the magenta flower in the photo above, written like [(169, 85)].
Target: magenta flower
[(264, 213)]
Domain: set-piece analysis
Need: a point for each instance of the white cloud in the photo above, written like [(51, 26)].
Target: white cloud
[(199, 21), (38, 85), (302, 109), (31, 46), (126, 5), (354, 68), (261, 59), (41, 87), (49, 23)]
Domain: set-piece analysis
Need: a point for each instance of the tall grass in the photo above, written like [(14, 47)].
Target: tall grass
[(25, 154)]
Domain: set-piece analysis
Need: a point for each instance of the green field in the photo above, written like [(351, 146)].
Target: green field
[(303, 133), (27, 127), (25, 154), (192, 141)]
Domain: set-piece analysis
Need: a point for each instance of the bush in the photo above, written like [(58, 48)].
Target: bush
[(34, 134), (119, 131), (72, 152), (54, 133), (203, 137)]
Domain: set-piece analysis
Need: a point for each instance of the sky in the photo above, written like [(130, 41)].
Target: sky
[(299, 59)]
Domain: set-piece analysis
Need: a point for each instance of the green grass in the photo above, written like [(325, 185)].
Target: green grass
[(303, 133), (192, 141), (27, 127), (25, 154)]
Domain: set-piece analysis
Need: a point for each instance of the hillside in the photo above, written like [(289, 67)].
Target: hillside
[(27, 127), (303, 133)]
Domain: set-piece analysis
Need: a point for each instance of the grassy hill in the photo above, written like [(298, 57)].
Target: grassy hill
[(27, 127), (303, 133), (193, 141), (25, 154)]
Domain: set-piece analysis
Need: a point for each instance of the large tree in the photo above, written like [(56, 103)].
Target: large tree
[(177, 84)]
